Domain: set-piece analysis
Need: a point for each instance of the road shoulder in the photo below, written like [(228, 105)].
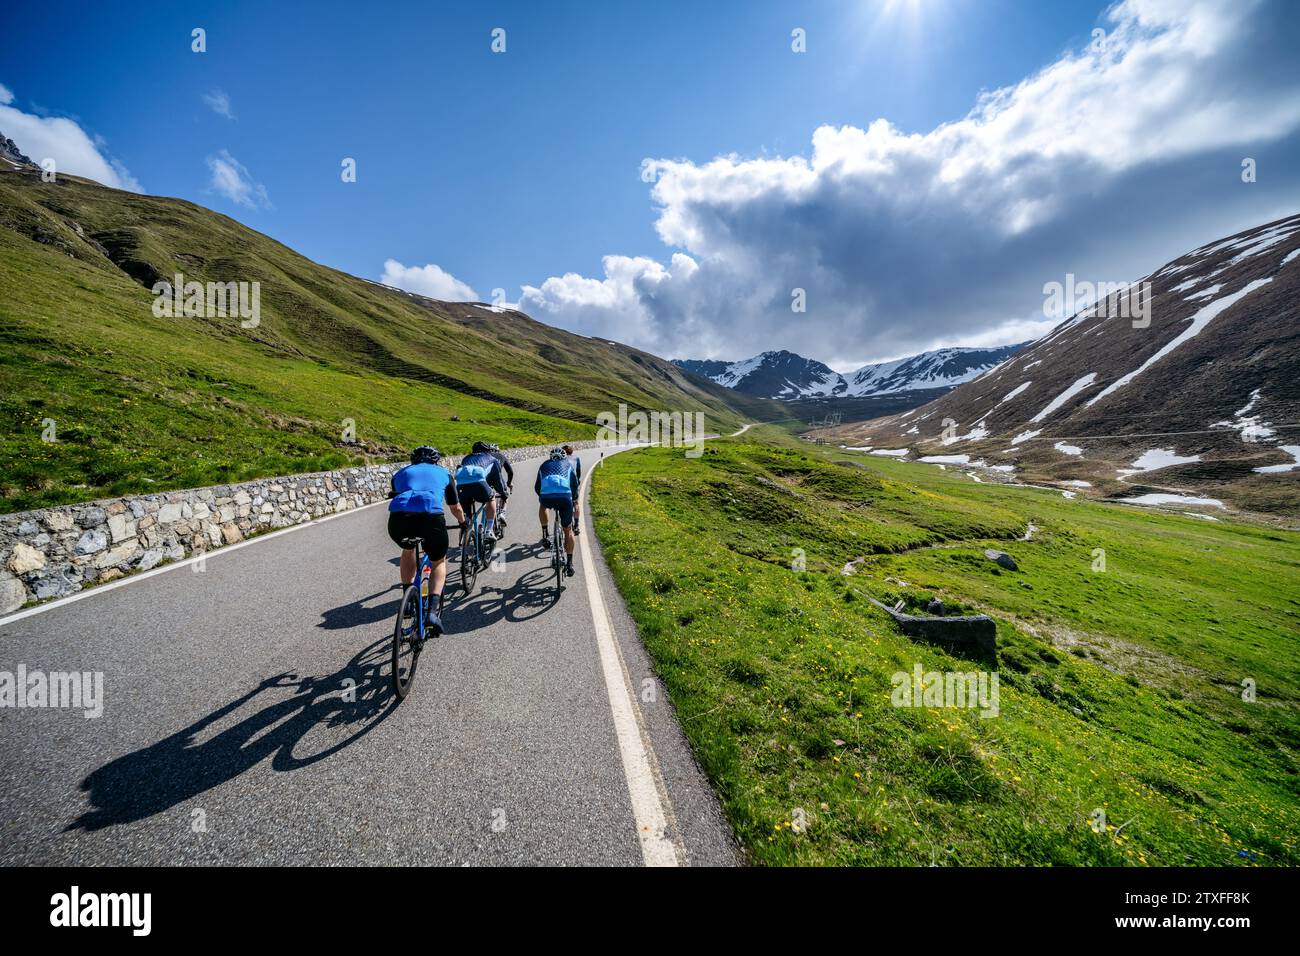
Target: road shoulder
[(700, 826)]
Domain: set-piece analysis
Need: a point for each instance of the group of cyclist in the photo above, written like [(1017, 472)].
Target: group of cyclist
[(425, 490)]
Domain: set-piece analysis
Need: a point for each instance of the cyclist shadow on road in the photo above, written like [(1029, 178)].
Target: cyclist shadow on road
[(359, 613), (211, 751), (500, 596)]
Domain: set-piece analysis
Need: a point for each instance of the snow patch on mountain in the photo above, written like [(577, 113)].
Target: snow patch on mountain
[(1015, 391), (1157, 498), (1293, 451), (1157, 458), (1065, 396), (1251, 427)]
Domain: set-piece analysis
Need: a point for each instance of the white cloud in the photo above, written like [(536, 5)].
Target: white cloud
[(61, 139), (219, 102), (430, 280), (903, 241), (231, 179)]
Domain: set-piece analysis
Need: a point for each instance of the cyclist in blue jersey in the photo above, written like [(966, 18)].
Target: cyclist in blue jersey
[(557, 487), (480, 479), (421, 491)]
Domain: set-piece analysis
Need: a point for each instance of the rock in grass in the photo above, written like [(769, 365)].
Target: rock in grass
[(1002, 559)]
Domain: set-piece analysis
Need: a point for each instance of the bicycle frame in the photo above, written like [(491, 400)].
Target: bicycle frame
[(416, 635), (557, 549), (475, 532), (481, 530), (422, 563)]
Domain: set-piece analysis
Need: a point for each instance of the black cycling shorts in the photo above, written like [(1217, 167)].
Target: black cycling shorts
[(476, 492), (561, 503), (428, 527)]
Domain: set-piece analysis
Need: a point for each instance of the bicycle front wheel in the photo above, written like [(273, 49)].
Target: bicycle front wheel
[(469, 559), (406, 642)]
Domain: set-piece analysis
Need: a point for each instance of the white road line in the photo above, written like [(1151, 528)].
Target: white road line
[(639, 766), (207, 555)]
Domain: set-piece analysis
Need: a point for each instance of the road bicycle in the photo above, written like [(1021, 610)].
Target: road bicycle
[(475, 547), (409, 632)]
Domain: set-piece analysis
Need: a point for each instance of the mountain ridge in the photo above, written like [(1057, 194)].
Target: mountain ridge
[(788, 376)]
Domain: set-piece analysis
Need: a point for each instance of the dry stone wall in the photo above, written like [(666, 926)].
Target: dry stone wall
[(53, 552)]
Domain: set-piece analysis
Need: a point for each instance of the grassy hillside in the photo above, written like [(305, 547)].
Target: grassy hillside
[(144, 403), (1120, 689)]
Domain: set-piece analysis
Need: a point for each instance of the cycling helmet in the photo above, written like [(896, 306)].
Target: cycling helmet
[(482, 446), (425, 455), (557, 454), (494, 448)]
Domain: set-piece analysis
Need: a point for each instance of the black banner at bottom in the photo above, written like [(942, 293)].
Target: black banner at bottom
[(304, 905)]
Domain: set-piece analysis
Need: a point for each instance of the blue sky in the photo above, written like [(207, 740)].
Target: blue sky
[(506, 170)]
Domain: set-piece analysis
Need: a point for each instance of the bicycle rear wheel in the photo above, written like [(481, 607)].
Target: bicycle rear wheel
[(407, 641), (557, 554), (469, 554)]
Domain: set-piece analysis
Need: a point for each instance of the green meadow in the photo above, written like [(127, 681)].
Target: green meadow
[(1148, 671)]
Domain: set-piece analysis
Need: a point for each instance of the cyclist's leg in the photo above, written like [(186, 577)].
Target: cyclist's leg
[(496, 490), (503, 498), (400, 528), (545, 519), (435, 544), (481, 494), (438, 578)]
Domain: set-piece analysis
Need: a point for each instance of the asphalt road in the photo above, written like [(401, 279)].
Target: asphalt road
[(249, 719)]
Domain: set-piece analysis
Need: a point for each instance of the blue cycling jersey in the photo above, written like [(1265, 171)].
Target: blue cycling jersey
[(556, 478), (480, 468), (422, 488)]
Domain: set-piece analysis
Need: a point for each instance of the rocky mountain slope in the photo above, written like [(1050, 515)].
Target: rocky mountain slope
[(12, 155), (1198, 399), (791, 377)]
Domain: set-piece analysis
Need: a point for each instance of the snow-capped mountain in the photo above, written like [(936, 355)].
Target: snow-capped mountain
[(788, 376), (1196, 389), (771, 375), (942, 368)]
